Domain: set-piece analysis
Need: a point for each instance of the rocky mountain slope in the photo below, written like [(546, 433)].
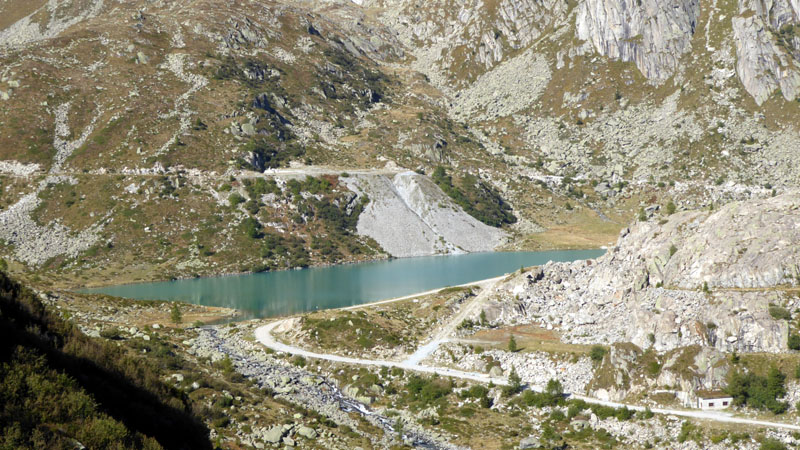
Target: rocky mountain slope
[(673, 300), (148, 140), (576, 113), (710, 278)]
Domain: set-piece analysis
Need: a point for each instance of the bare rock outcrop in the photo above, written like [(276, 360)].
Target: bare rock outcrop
[(768, 48), (628, 371), (653, 34), (750, 244), (700, 278)]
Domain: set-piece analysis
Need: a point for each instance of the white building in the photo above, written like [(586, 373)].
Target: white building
[(713, 400)]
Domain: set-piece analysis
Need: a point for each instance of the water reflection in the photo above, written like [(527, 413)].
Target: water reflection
[(287, 292)]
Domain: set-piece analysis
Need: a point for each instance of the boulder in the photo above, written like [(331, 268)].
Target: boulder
[(580, 424), (274, 435), (529, 442), (248, 129), (307, 432)]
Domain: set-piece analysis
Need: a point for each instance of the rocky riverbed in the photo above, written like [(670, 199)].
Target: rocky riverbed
[(313, 391)]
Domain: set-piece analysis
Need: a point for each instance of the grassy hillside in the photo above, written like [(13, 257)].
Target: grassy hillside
[(60, 388)]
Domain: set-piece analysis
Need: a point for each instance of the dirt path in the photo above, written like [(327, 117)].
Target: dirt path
[(265, 337), (30, 171), (468, 310)]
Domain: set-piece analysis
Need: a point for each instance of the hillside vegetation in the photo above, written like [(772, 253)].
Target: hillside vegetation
[(62, 389)]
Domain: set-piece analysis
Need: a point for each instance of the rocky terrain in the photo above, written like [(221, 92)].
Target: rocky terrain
[(638, 325), (409, 215), (259, 398), (695, 278), (674, 298), (146, 140), (302, 388), (576, 114), (274, 400)]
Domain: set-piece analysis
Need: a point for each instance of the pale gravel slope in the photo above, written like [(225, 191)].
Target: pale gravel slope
[(409, 215)]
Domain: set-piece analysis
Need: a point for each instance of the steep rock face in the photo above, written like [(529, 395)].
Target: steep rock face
[(628, 371), (653, 34), (768, 47), (749, 244), (472, 36), (409, 215), (649, 289)]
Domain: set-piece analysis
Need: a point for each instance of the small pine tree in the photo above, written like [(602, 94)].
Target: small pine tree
[(670, 208), (512, 344), (642, 215), (175, 314), (484, 322), (398, 426), (514, 380), (226, 365), (554, 388)]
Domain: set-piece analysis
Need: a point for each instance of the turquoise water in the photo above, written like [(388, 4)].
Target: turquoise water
[(293, 291)]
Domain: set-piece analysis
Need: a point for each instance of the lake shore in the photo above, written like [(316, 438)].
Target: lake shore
[(275, 294)]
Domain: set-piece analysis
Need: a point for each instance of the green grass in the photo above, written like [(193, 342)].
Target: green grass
[(350, 331)]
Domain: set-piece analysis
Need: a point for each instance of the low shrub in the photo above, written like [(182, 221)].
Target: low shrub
[(597, 353)]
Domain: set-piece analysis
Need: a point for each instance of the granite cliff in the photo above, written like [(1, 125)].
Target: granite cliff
[(708, 278)]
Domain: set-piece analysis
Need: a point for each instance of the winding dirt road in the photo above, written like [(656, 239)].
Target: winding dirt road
[(265, 337)]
